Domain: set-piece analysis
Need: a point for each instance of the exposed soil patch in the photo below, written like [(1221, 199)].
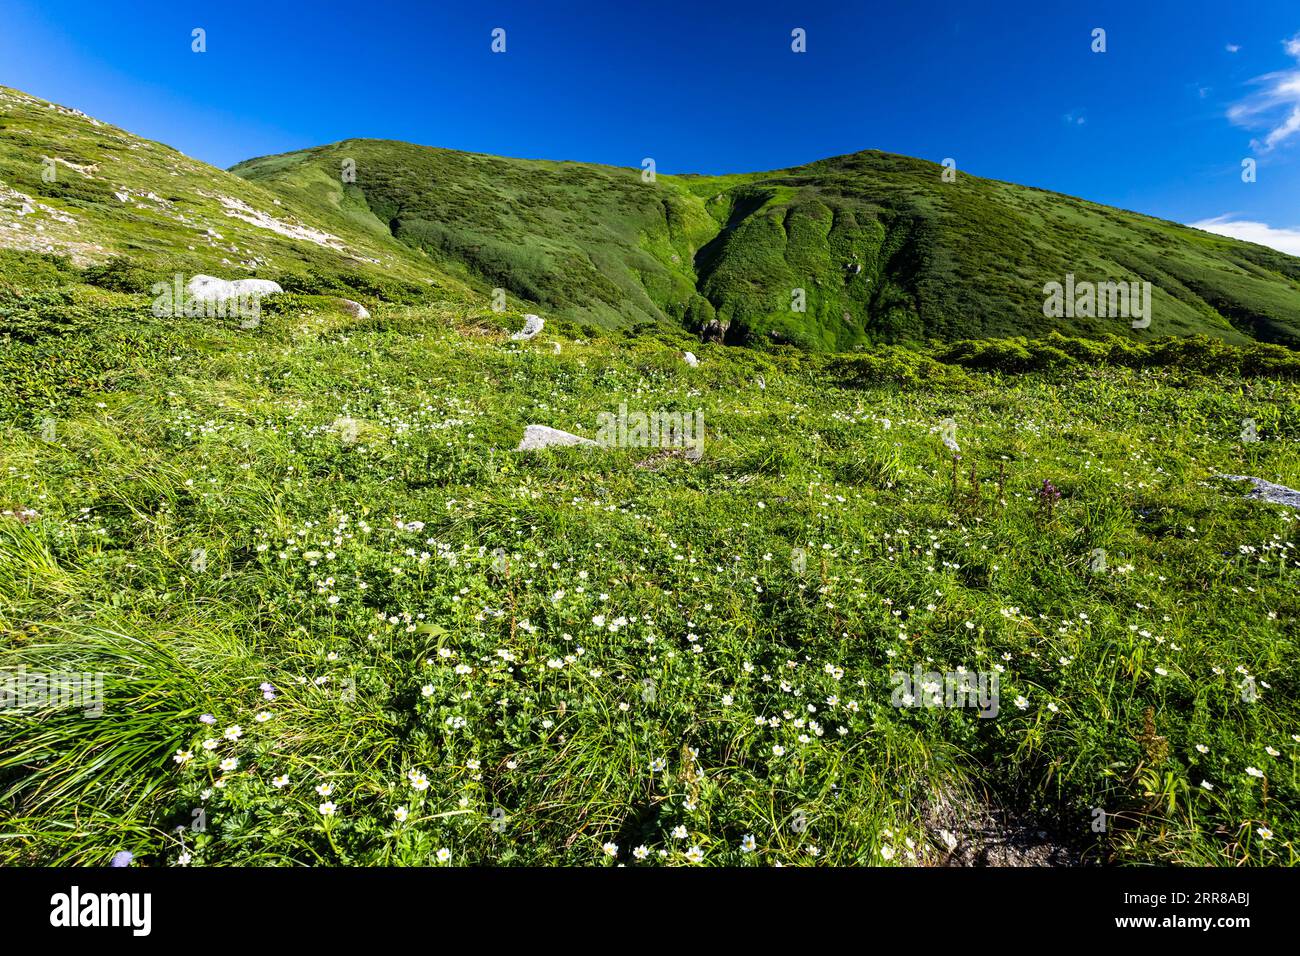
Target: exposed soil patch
[(969, 831)]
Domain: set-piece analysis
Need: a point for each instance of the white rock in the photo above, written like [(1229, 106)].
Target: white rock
[(210, 289), (542, 436), (690, 359), (532, 325), (355, 309), (1268, 491)]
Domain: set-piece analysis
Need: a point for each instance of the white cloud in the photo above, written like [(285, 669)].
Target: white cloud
[(1276, 107), (1283, 240), (1232, 48)]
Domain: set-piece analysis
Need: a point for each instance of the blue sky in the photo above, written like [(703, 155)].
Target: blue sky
[(1159, 123)]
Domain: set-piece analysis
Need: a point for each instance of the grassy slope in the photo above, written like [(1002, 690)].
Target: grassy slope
[(141, 444), (193, 508), (938, 260), (173, 219)]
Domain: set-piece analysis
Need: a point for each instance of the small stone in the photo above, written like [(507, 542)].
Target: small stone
[(532, 325), (543, 436)]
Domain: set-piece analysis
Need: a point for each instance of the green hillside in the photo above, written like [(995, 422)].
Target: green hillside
[(74, 186), (884, 249), (316, 609)]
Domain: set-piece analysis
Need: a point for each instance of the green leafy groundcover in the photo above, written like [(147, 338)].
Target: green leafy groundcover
[(338, 620)]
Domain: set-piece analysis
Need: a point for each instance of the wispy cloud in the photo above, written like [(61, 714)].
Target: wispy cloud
[(1283, 240), (1275, 108), (1232, 48)]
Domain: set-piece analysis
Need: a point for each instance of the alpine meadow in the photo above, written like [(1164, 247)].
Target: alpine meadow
[(380, 504)]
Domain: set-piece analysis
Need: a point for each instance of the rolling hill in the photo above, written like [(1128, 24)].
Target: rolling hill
[(836, 255), (883, 248)]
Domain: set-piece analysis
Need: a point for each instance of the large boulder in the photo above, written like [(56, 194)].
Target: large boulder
[(211, 289)]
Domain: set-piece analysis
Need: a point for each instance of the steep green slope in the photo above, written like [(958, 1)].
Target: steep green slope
[(594, 243), (883, 248), (874, 247), (72, 185)]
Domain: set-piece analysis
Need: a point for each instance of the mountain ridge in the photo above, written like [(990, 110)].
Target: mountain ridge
[(833, 255), (882, 247)]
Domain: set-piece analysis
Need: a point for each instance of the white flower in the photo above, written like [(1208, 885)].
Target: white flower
[(641, 852), (778, 750), (1206, 785), (327, 809), (679, 832), (262, 716), (1022, 703), (233, 732), (747, 844), (611, 849), (1202, 749), (1265, 833), (1254, 772), (887, 852), (400, 814), (1271, 752), (418, 780), (696, 855), (183, 756), (230, 763), (324, 789), (280, 781), (444, 855)]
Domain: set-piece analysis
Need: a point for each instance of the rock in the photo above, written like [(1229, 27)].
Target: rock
[(532, 325), (1267, 491), (542, 436), (690, 359), (714, 330), (209, 289), (354, 309)]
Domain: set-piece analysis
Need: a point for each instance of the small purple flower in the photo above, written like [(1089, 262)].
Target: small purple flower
[(122, 858), (268, 690), (207, 719)]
